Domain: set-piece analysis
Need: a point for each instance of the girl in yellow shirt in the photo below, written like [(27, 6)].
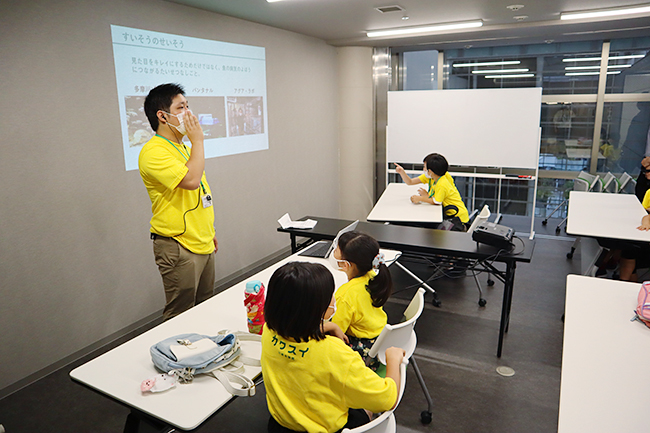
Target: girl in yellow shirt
[(360, 314), (314, 382)]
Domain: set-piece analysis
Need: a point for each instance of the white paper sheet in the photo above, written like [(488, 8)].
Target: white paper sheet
[(286, 223)]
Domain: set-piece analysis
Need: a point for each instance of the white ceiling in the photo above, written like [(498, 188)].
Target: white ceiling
[(344, 22)]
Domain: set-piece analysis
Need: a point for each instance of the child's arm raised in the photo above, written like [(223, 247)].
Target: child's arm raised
[(394, 357), (407, 180)]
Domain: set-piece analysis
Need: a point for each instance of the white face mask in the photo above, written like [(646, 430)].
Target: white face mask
[(335, 262), (333, 307), (181, 125), (426, 173)]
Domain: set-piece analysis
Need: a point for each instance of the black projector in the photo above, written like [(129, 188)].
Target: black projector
[(494, 234)]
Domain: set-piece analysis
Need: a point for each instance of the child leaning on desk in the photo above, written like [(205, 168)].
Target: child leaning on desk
[(442, 189), (634, 254), (313, 380), (359, 302)]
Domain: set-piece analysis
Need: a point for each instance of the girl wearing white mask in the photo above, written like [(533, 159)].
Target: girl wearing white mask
[(359, 313)]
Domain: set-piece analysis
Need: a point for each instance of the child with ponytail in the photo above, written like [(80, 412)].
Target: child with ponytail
[(359, 302)]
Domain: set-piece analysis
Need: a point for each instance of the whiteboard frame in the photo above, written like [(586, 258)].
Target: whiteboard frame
[(470, 127)]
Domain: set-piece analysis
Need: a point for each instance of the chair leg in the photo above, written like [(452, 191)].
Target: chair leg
[(426, 415), (551, 214), (481, 301)]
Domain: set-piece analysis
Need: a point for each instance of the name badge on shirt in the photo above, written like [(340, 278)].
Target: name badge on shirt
[(207, 200)]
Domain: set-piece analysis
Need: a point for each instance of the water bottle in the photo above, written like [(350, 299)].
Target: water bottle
[(254, 303)]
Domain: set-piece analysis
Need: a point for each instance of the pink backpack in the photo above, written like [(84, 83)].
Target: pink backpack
[(643, 304)]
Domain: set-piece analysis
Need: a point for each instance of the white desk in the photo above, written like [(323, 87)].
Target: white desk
[(604, 359), (605, 215), (395, 205), (119, 372)]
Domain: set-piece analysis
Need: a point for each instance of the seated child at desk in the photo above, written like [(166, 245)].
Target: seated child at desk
[(315, 382), (634, 254), (442, 189), (359, 313)]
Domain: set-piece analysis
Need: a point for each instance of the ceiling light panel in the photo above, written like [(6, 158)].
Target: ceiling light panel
[(605, 13), (471, 65), (510, 76), (501, 71), (433, 28)]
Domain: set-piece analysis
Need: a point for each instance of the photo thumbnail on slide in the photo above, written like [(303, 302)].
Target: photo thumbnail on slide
[(225, 85), (245, 115), (210, 111)]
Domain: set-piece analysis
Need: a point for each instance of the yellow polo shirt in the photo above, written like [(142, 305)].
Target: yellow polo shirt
[(355, 314), (177, 213), (310, 386), (444, 191)]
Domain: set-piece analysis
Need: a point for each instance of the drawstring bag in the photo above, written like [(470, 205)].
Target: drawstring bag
[(642, 312), (451, 221), (183, 356)]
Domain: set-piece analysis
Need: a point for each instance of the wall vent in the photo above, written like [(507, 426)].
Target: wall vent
[(393, 8)]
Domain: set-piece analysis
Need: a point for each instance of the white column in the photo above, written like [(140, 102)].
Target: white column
[(356, 132)]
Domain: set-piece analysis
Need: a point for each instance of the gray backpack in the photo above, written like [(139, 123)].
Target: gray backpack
[(187, 355)]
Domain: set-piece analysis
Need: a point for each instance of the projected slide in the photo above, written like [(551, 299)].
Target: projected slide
[(225, 86)]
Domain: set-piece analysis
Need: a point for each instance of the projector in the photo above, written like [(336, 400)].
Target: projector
[(494, 234)]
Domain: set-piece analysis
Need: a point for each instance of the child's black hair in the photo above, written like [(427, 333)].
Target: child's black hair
[(298, 296), (361, 249), (160, 98), (436, 163)]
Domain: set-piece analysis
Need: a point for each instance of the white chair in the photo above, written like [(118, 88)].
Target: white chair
[(480, 218), (384, 423), (610, 183), (403, 335), (626, 183)]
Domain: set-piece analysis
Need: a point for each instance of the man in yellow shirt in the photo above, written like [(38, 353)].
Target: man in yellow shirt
[(182, 225), (442, 189)]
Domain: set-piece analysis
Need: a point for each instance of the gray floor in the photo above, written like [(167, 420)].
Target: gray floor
[(456, 354)]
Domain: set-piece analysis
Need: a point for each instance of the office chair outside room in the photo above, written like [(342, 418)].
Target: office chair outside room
[(584, 182), (612, 185), (403, 335), (385, 423)]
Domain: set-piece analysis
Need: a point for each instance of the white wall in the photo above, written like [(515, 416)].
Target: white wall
[(76, 263), (356, 126)]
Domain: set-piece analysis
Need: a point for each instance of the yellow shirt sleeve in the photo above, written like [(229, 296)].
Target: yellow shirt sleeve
[(160, 165), (344, 310), (646, 200)]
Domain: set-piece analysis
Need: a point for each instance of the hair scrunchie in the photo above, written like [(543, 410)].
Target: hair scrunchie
[(377, 261)]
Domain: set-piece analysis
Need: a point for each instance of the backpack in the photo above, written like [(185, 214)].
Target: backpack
[(186, 355), (643, 305)]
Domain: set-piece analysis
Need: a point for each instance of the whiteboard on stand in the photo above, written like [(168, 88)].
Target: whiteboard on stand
[(470, 127)]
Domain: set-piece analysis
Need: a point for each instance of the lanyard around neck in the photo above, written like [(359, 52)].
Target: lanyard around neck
[(181, 152)]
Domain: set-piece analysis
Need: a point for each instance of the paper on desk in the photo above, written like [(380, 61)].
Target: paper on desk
[(286, 223)]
